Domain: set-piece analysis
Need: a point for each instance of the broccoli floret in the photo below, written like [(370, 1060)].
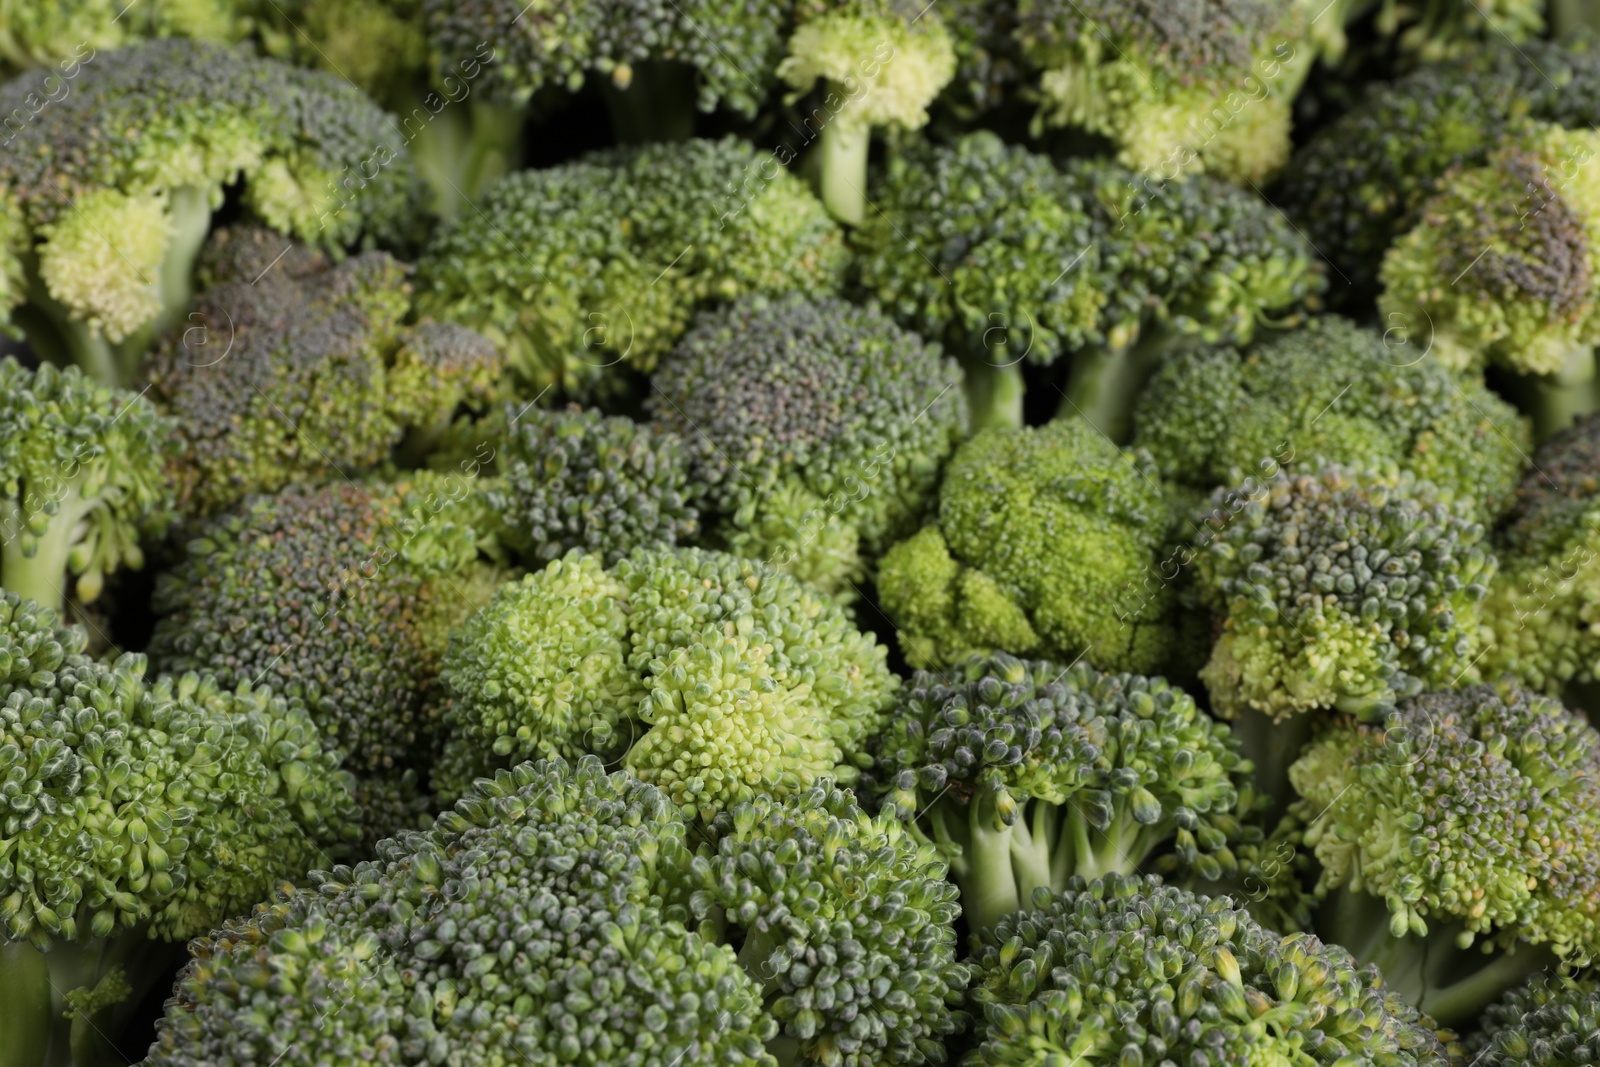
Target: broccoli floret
[(1462, 824), (989, 63), (1177, 85), (1337, 589), (1331, 392), (83, 467), (578, 479), (881, 63), (801, 932), (1550, 1022), (1040, 538), (68, 33), (295, 370), (1429, 31), (110, 190), (712, 677), (1128, 970), (139, 809), (816, 429), (1026, 773), (600, 263)]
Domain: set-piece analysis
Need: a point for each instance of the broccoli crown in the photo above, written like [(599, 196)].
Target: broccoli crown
[(579, 479), (340, 597), (1520, 237), (891, 58), (317, 158), (1042, 534), (173, 803), (854, 413), (558, 913), (1160, 78), (557, 44), (1338, 589), (42, 35), (601, 262), (1550, 1022), (379, 45), (1023, 260), (1128, 970), (714, 676), (1473, 808), (1331, 392), (83, 469)]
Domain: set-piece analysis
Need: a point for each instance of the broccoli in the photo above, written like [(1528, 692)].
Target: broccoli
[(1003, 257), (1462, 824), (1041, 534), (1130, 971), (578, 479), (1332, 392), (138, 810), (85, 479), (1432, 30), (594, 932), (989, 63), (1337, 589), (299, 371), (1177, 85), (1025, 773), (881, 63), (578, 271), (1550, 1022), (69, 32), (710, 676), (816, 429)]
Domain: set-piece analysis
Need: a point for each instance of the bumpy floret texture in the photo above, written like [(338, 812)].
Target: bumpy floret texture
[(1041, 536), (1331, 392), (1472, 809), (887, 59), (1338, 590), (1131, 971), (1550, 1022), (65, 35), (600, 263), (813, 420)]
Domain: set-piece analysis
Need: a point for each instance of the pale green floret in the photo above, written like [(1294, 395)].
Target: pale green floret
[(113, 282), (65, 34)]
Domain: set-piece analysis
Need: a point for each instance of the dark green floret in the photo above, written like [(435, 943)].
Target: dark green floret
[(1550, 1022)]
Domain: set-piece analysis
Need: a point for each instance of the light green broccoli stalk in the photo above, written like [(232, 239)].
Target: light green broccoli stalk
[(1130, 971), (1177, 85), (710, 676), (141, 813), (816, 430), (113, 186), (70, 32), (881, 63), (586, 271), (1504, 264), (1331, 392), (83, 467), (1026, 773), (1550, 1022), (1457, 841), (1042, 540)]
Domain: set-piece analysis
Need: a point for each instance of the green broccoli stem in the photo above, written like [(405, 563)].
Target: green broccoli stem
[(994, 394), (1554, 401), (989, 889), (25, 1009), (1104, 382), (41, 575), (1570, 16), (460, 151), (1272, 747), (1091, 853), (843, 180), (657, 105)]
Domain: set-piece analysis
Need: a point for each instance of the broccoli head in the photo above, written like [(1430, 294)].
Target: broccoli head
[(84, 477), (109, 189), (1331, 392), (1130, 971), (1041, 536), (600, 263), (1550, 1022), (1025, 773), (71, 32), (710, 676), (816, 429), (1458, 841), (1338, 589)]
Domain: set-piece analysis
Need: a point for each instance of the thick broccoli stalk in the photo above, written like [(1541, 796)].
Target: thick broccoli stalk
[(1042, 540), (881, 63), (112, 186), (1331, 392), (1338, 589), (816, 430), (1065, 982), (593, 268), (1457, 841), (1550, 1022), (142, 812), (85, 479), (1026, 773)]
